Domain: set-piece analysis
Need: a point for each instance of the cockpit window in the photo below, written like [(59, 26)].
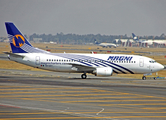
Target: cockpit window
[(152, 61)]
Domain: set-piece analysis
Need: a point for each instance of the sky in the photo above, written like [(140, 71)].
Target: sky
[(105, 17)]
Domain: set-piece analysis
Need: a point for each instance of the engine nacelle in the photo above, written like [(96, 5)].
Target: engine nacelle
[(103, 71)]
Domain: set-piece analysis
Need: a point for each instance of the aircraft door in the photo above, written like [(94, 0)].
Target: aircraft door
[(141, 62), (37, 60)]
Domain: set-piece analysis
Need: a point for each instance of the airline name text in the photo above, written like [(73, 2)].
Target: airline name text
[(120, 58)]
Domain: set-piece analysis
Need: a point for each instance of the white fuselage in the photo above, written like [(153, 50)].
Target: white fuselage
[(65, 62), (107, 45)]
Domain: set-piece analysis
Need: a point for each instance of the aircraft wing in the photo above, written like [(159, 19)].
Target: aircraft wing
[(79, 67), (14, 55)]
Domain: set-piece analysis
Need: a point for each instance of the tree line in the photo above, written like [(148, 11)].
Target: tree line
[(75, 38), (82, 39), (89, 38)]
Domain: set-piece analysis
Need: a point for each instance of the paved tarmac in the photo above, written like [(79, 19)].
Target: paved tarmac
[(51, 95), (3, 57)]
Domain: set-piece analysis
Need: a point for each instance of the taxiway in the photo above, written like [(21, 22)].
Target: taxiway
[(50, 95)]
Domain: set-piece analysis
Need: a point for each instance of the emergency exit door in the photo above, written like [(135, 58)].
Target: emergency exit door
[(37, 60), (141, 62)]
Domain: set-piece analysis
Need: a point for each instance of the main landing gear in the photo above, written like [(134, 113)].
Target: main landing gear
[(84, 76), (144, 78)]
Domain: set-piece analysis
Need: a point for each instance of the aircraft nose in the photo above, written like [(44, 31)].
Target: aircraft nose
[(160, 66)]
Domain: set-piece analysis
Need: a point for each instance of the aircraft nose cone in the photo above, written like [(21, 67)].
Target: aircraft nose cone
[(160, 67)]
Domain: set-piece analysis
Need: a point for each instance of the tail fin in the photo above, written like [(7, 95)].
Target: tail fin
[(134, 37), (96, 42), (18, 43)]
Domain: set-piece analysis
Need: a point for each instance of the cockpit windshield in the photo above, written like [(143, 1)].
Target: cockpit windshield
[(152, 61)]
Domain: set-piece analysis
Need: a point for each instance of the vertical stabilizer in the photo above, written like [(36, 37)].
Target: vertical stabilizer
[(135, 37), (18, 43)]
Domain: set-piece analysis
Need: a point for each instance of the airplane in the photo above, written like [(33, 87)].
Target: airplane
[(105, 45), (97, 64), (141, 42), (136, 38), (147, 42)]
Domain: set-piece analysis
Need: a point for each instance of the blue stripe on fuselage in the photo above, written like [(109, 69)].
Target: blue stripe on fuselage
[(82, 57)]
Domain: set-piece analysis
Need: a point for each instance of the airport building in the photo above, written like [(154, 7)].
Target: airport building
[(141, 43)]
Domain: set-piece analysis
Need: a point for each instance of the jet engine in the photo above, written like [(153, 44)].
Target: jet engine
[(103, 71)]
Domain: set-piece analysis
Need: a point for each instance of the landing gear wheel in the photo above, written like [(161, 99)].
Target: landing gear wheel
[(83, 76), (144, 78)]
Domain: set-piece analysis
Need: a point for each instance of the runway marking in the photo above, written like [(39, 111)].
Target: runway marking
[(43, 88), (154, 108), (22, 113), (94, 90), (110, 101), (100, 111), (55, 95), (80, 95), (47, 92), (132, 104), (97, 97), (106, 117), (29, 113), (66, 96), (5, 105), (94, 98), (14, 86)]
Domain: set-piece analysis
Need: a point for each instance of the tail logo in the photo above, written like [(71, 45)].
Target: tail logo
[(18, 40)]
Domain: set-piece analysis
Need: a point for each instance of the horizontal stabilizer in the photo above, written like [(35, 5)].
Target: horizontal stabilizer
[(14, 55)]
